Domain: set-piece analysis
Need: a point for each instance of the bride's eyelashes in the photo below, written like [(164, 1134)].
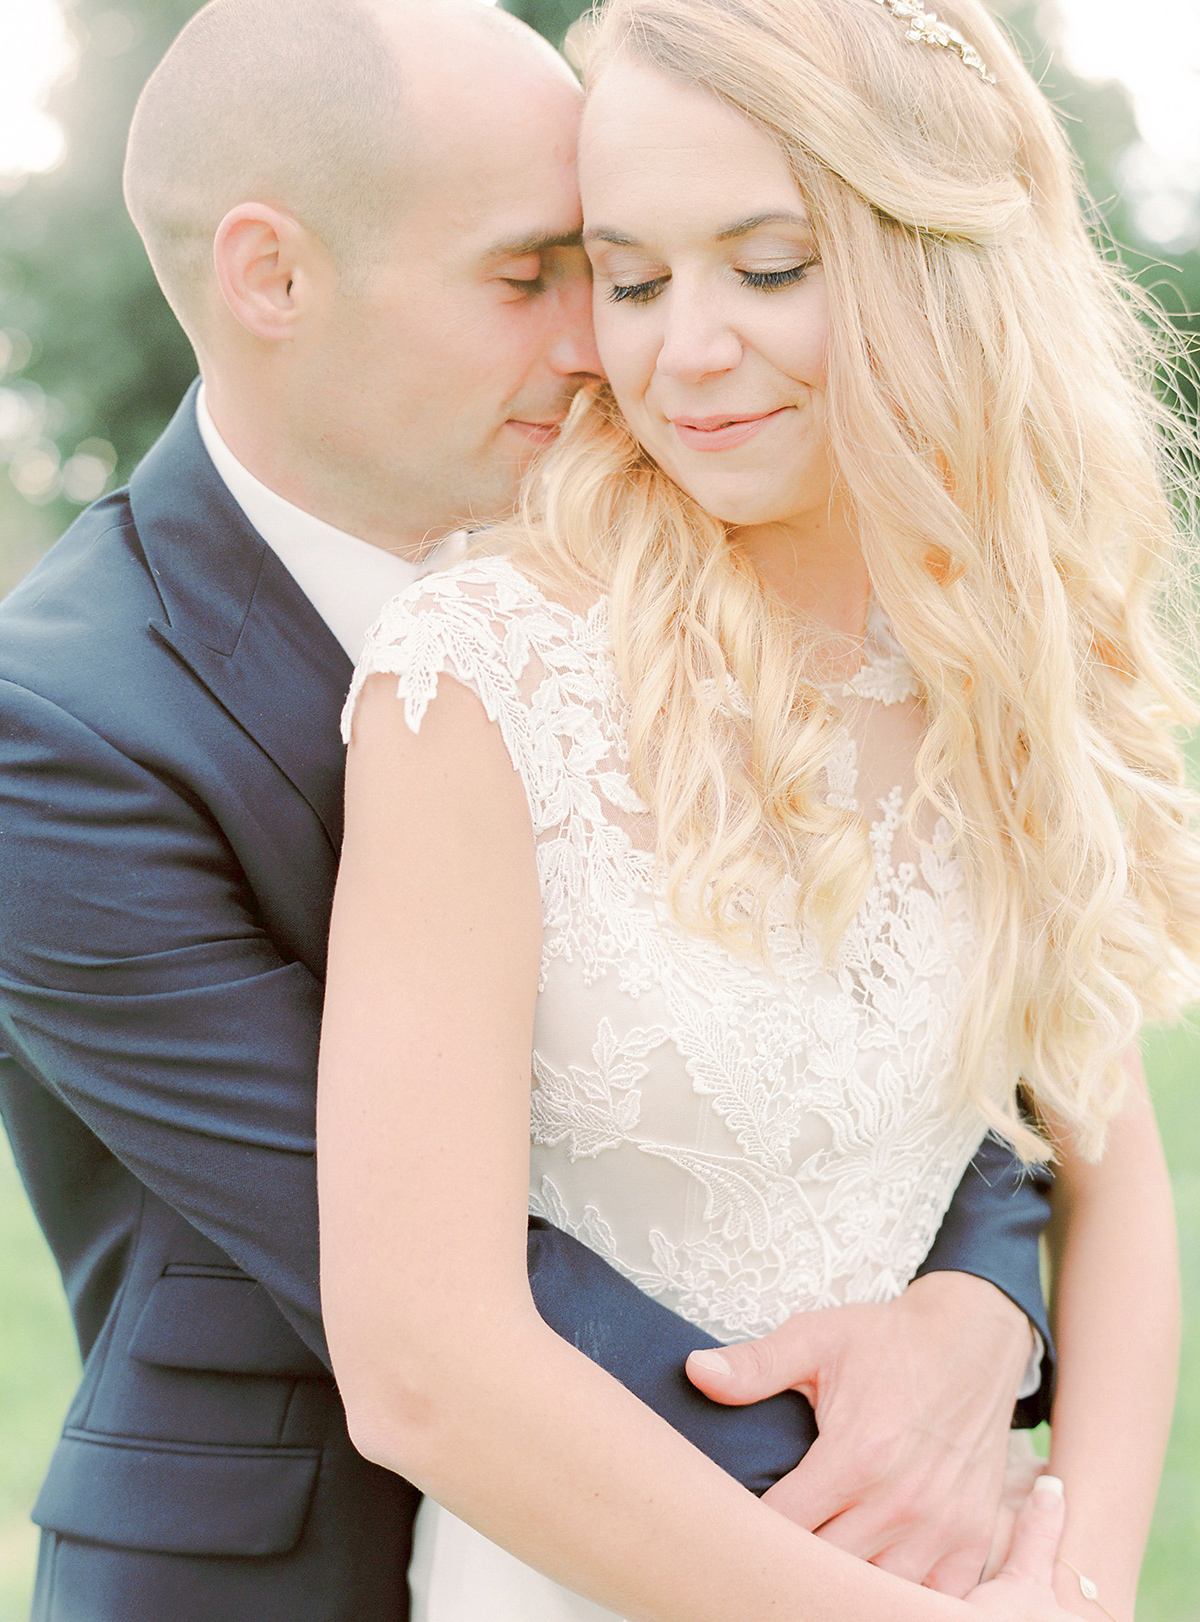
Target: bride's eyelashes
[(768, 281), (771, 279), (636, 292)]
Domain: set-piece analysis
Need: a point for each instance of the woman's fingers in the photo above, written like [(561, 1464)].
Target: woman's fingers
[(1036, 1535), (1023, 1468)]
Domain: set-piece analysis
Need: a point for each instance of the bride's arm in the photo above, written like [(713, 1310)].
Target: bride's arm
[(449, 1376), (1116, 1315)]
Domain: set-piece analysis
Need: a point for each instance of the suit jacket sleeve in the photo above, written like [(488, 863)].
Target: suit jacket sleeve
[(138, 987), (992, 1230)]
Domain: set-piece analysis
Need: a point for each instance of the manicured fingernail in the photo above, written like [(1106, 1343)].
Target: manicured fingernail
[(1048, 1487), (712, 1361)]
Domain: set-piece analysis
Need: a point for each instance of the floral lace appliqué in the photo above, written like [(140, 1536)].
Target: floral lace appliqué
[(744, 1140)]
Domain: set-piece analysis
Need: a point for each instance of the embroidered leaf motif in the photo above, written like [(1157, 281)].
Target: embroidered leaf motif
[(593, 1109), (737, 1192)]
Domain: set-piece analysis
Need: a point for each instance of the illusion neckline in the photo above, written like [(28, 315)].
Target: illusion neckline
[(885, 675)]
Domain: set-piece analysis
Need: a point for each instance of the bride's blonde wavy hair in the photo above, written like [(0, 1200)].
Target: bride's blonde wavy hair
[(1015, 485)]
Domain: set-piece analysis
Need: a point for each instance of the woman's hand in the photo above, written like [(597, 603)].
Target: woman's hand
[(1023, 1589)]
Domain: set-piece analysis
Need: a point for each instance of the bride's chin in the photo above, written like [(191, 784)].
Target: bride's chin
[(738, 509)]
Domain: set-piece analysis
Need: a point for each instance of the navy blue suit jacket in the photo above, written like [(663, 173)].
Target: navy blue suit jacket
[(170, 818)]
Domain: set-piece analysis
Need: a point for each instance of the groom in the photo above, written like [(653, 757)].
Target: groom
[(365, 216)]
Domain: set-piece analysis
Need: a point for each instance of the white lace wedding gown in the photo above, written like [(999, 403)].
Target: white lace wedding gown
[(744, 1142)]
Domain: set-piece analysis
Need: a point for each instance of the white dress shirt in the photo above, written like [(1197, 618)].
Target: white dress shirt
[(346, 580)]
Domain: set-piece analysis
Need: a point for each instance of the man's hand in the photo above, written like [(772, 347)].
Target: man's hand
[(914, 1401)]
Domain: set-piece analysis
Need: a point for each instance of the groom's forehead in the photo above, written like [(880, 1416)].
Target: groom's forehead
[(494, 214), (495, 137), (494, 175)]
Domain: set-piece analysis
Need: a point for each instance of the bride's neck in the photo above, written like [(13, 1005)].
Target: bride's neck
[(815, 564)]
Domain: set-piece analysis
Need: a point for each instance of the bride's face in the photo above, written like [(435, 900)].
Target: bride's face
[(710, 303)]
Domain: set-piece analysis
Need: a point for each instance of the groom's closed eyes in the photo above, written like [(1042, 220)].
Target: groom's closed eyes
[(531, 264)]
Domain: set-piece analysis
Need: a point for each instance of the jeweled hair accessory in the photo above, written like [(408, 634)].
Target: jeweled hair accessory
[(926, 28)]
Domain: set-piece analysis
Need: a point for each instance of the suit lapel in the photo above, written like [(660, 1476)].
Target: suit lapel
[(238, 620)]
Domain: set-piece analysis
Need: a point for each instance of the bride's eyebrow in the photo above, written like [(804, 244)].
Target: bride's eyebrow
[(605, 233), (740, 228), (752, 222)]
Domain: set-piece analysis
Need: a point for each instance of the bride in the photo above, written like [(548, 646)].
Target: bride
[(787, 797)]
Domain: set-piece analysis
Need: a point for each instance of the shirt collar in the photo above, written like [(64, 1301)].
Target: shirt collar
[(347, 580)]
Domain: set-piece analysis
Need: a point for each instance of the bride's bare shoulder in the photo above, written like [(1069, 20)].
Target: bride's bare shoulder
[(570, 589)]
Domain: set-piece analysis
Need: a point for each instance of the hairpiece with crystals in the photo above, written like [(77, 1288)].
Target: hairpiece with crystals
[(926, 28)]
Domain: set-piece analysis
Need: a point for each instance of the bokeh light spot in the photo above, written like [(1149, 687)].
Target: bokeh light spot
[(113, 33), (37, 50)]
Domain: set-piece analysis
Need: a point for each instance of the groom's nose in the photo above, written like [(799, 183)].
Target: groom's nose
[(573, 347)]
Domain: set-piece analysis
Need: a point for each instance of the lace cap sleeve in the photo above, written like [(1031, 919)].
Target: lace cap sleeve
[(481, 622)]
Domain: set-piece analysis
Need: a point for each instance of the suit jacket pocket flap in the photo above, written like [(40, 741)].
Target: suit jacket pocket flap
[(174, 1498), (224, 1325)]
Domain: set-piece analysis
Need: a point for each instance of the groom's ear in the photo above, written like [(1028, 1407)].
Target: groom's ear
[(269, 267)]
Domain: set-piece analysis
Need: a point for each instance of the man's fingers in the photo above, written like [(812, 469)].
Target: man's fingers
[(863, 1534), (939, 1553), (912, 1561), (819, 1489), (1037, 1533), (786, 1359), (958, 1573)]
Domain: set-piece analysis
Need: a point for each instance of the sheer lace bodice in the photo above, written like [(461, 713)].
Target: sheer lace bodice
[(744, 1141)]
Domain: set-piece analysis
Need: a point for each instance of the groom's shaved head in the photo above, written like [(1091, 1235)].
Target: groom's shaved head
[(365, 214), (301, 104)]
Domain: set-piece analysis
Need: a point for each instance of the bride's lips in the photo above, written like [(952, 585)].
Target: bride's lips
[(538, 433), (721, 433)]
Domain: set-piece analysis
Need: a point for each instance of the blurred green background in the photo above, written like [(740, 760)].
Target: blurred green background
[(91, 366)]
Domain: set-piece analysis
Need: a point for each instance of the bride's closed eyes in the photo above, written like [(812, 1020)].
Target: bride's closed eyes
[(709, 296), (768, 281)]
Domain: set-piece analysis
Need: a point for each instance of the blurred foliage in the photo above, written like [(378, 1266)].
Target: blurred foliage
[(104, 360), (1100, 122), (550, 17)]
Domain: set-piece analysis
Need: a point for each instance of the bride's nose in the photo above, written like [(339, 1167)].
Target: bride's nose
[(697, 338)]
